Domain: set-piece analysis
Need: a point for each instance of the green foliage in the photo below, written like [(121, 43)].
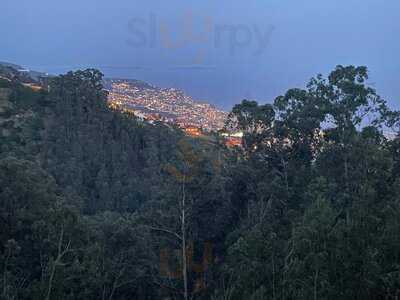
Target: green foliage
[(322, 180), (4, 83), (95, 204)]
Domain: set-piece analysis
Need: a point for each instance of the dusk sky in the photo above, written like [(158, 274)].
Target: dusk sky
[(218, 51)]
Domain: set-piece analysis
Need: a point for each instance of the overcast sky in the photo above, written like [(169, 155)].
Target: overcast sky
[(220, 51)]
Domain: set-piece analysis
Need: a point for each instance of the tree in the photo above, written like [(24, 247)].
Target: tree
[(254, 120), (34, 217)]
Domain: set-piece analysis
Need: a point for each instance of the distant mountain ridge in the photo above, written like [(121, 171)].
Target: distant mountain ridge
[(10, 70), (6, 64), (139, 83)]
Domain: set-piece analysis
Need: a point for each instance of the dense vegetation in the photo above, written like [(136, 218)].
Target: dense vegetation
[(95, 204)]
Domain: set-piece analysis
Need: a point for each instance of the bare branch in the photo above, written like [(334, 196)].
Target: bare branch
[(165, 231)]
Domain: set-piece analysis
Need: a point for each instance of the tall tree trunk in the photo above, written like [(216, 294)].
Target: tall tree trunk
[(57, 262), (273, 277), (5, 274), (183, 230), (54, 265), (315, 285)]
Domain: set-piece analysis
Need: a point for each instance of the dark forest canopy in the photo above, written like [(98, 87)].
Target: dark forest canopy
[(95, 204)]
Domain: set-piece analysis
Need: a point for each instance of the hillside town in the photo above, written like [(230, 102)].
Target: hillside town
[(168, 105)]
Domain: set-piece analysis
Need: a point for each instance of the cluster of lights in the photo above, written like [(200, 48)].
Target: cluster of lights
[(167, 105)]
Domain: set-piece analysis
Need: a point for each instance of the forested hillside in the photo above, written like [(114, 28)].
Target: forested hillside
[(95, 204)]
